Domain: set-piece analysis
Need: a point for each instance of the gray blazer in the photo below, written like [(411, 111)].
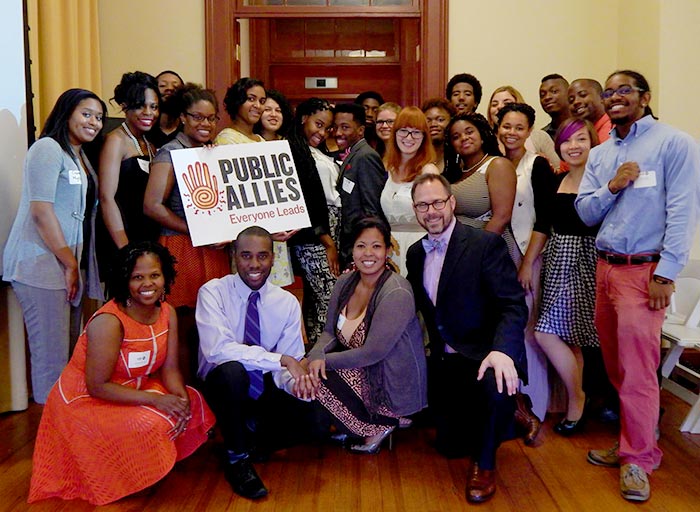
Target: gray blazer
[(360, 184)]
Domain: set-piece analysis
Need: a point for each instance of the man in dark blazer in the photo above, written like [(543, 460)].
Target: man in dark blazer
[(466, 287), (362, 174)]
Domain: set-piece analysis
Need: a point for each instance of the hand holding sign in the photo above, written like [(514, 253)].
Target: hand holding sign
[(228, 188), (202, 186)]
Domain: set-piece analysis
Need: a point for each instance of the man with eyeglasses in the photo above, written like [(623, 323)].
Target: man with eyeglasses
[(642, 186), (466, 287), (362, 174)]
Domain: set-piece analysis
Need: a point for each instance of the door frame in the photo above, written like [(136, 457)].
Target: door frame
[(221, 48)]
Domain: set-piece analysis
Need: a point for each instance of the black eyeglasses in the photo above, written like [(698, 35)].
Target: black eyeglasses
[(438, 204), (388, 122), (199, 118), (623, 90), (414, 134)]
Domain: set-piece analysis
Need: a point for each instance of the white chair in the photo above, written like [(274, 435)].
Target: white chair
[(681, 330)]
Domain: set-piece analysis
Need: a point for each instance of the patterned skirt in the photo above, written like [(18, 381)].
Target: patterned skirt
[(311, 263), (345, 394), (568, 290)]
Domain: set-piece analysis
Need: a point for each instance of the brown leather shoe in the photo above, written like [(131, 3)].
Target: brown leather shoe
[(526, 419), (481, 484)]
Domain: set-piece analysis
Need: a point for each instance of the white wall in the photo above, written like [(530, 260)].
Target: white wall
[(679, 64), (151, 36), (500, 41), (511, 42)]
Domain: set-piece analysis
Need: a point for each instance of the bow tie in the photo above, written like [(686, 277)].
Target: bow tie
[(432, 245)]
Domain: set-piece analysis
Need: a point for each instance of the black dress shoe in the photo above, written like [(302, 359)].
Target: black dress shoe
[(244, 480), (526, 419)]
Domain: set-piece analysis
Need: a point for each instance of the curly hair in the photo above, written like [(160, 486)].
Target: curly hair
[(131, 90), (126, 260), (237, 94), (190, 93), (522, 108), (465, 78), (489, 143), (440, 103)]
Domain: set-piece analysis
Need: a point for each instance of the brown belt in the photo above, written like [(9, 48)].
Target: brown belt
[(628, 259)]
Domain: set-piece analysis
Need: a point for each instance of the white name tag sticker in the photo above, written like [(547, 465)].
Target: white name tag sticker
[(341, 322), (139, 359), (348, 185), (646, 179), (145, 165), (74, 177)]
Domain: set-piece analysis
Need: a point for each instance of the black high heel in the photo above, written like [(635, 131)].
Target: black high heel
[(376, 445), (568, 428)]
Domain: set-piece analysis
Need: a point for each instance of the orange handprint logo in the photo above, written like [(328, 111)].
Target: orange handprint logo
[(202, 186)]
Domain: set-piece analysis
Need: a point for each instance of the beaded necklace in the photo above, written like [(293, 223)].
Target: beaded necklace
[(133, 138), (476, 165)]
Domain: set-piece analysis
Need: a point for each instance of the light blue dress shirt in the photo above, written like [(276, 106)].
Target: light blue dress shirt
[(658, 212), (220, 315)]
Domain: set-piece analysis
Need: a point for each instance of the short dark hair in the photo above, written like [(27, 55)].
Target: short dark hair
[(369, 94), (237, 94), (358, 113), (131, 90), (56, 125), (553, 76), (639, 81), (439, 103), (370, 222), (125, 262), (169, 72), (190, 93), (285, 107), (252, 231), (595, 84), (468, 79), (430, 177), (523, 108)]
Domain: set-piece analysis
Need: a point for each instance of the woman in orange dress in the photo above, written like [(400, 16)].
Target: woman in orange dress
[(119, 416)]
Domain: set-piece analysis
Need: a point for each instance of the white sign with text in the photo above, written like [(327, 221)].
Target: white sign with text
[(228, 188)]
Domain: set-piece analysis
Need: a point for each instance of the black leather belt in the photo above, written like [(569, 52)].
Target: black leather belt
[(628, 259)]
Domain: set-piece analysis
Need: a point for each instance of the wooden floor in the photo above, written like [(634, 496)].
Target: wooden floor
[(552, 476)]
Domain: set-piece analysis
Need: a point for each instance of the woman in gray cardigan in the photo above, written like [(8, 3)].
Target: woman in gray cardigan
[(368, 367), (50, 253)]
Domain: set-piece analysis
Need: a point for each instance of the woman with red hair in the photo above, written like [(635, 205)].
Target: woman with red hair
[(409, 153)]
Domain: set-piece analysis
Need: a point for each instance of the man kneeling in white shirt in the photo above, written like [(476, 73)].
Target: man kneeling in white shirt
[(249, 358)]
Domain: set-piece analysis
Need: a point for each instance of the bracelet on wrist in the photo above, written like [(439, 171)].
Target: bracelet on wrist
[(662, 280)]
